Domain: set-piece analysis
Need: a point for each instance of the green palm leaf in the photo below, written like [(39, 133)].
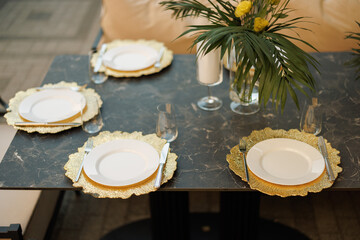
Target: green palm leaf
[(355, 61), (280, 66)]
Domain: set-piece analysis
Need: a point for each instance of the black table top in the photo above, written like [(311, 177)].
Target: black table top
[(36, 161)]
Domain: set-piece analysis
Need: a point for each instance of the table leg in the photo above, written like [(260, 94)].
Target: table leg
[(169, 215), (239, 215)]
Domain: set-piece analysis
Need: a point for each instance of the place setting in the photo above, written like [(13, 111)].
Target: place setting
[(128, 58), (53, 108), (285, 163), (119, 164)]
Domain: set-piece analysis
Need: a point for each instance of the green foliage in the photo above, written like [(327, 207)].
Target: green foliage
[(355, 61), (280, 66)]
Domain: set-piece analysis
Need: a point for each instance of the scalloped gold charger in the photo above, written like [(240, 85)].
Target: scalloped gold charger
[(90, 111), (236, 164), (101, 191), (165, 60)]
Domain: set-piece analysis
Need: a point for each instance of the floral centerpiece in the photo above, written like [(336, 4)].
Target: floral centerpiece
[(250, 30)]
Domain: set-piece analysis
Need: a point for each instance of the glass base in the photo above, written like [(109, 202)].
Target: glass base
[(245, 109), (92, 128), (209, 103), (99, 78)]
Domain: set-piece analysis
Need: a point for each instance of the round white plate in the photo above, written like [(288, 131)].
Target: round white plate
[(51, 105), (285, 161), (121, 162), (130, 57)]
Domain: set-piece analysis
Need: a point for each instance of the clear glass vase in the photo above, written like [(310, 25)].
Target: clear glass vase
[(244, 97)]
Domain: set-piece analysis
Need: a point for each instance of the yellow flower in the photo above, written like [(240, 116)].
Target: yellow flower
[(243, 8), (274, 2), (260, 24)]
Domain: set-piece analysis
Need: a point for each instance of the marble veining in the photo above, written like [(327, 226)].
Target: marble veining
[(36, 161)]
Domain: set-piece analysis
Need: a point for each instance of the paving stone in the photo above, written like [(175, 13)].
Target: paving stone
[(68, 234), (91, 229), (342, 205), (3, 45), (349, 226), (115, 215), (138, 208), (17, 47), (350, 237), (330, 237), (307, 226)]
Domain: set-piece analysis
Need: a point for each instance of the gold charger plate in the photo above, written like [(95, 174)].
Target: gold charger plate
[(236, 164), (165, 60), (101, 191), (91, 108)]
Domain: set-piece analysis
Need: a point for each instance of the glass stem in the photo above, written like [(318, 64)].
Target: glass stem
[(209, 92)]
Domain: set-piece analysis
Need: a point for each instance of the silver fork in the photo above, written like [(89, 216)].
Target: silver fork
[(242, 148), (88, 147), (158, 61)]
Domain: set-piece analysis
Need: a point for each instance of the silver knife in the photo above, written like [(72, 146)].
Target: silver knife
[(99, 59), (88, 148), (322, 147), (45, 124), (163, 156)]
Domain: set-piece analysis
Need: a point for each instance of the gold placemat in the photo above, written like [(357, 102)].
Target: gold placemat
[(165, 60), (101, 191), (236, 164), (91, 108)]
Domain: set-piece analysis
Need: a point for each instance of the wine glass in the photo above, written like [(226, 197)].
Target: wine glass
[(311, 117), (95, 75), (209, 73), (166, 127), (95, 124)]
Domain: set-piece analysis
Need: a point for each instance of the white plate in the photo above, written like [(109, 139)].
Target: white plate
[(51, 105), (130, 57), (121, 162), (285, 161)]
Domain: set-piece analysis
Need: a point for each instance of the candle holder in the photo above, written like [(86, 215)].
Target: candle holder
[(209, 73)]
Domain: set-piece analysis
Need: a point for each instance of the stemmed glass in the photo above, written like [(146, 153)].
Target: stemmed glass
[(209, 73), (95, 124), (95, 75), (311, 117), (166, 127)]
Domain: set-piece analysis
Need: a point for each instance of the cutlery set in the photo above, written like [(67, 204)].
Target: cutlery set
[(163, 156), (162, 161), (322, 149)]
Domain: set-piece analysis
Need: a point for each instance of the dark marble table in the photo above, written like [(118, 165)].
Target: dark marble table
[(36, 161)]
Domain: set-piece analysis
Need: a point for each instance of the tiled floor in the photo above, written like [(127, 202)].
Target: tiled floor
[(32, 32)]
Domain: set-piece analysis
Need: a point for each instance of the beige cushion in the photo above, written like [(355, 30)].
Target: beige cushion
[(333, 19), (137, 19), (143, 19), (16, 206)]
